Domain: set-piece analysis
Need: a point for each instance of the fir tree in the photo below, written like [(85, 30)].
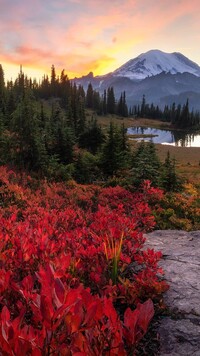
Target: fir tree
[(62, 136), (104, 106), (143, 107), (89, 96), (28, 150), (92, 138), (169, 180), (145, 165), (111, 101), (115, 151), (2, 90)]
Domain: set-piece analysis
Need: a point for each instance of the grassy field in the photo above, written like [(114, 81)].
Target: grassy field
[(187, 158), (104, 121)]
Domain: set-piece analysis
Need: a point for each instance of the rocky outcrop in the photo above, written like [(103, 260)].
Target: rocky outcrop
[(180, 331)]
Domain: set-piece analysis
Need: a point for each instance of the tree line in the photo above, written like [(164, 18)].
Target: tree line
[(180, 116)]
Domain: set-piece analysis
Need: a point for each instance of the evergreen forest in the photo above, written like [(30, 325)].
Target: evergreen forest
[(50, 129)]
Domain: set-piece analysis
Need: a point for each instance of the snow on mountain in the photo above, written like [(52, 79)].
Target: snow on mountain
[(163, 78), (155, 62)]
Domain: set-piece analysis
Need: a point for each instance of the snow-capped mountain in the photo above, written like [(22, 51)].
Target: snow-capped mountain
[(162, 77), (155, 62)]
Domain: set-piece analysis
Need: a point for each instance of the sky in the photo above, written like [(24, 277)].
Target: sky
[(98, 36)]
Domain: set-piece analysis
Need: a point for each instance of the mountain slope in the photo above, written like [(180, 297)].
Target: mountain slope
[(155, 62)]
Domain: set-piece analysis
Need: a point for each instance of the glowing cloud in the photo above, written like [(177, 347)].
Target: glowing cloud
[(93, 35)]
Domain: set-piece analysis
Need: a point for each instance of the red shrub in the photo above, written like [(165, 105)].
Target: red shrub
[(66, 255)]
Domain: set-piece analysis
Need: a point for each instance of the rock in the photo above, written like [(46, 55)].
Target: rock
[(179, 337), (180, 332)]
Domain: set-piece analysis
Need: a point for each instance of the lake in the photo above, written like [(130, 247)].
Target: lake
[(165, 137)]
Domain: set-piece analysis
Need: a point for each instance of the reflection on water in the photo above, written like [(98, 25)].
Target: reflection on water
[(166, 137)]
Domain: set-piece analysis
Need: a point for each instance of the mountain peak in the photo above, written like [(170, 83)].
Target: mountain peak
[(155, 62)]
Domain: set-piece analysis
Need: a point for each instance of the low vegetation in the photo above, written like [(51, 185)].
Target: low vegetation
[(74, 275)]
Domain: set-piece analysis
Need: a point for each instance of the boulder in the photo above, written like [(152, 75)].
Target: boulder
[(180, 330)]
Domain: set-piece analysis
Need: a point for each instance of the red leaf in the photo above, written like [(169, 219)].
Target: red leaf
[(27, 283), (91, 311), (36, 352), (5, 315), (46, 308), (130, 325), (146, 314), (75, 322), (60, 291)]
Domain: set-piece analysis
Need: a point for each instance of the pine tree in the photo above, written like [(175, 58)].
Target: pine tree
[(2, 139), (125, 108), (81, 116), (169, 180), (45, 88), (54, 85), (97, 103), (86, 168), (111, 161), (2, 90), (111, 101), (62, 136), (89, 96), (28, 149), (64, 89), (185, 116), (145, 165), (143, 107), (120, 106), (92, 138), (19, 85), (104, 106)]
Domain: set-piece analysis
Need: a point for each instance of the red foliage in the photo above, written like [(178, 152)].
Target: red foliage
[(59, 250)]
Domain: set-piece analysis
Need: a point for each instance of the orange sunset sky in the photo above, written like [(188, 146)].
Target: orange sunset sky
[(92, 35)]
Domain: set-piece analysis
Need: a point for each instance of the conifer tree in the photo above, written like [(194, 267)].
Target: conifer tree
[(124, 152), (111, 101), (53, 81), (145, 164), (92, 138), (97, 105), (110, 158), (185, 115), (3, 153), (120, 106), (19, 85), (86, 168), (104, 106), (169, 180), (28, 150), (2, 90), (143, 107), (64, 89), (89, 96), (62, 136), (81, 115)]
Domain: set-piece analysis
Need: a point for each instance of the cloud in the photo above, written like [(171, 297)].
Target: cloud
[(74, 34)]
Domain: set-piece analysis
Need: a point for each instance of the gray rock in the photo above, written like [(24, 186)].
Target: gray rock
[(179, 337), (180, 333)]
